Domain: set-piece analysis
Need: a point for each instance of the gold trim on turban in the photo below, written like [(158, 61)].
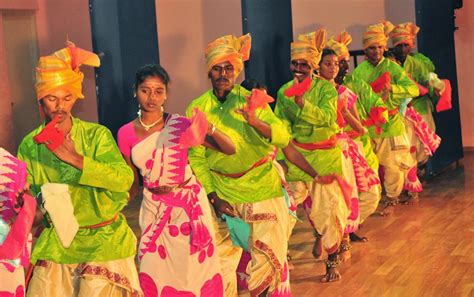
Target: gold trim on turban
[(229, 48), (377, 34), (404, 33), (309, 47), (340, 44), (61, 70)]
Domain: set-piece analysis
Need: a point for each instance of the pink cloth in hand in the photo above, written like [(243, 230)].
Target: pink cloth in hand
[(195, 134), (444, 102), (298, 89), (258, 99), (379, 84), (50, 134)]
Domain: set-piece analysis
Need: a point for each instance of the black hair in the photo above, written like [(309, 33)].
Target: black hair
[(327, 52), (150, 70), (251, 83)]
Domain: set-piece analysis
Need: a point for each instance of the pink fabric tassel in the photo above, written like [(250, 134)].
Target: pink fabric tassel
[(298, 89), (258, 99), (380, 83), (195, 134), (444, 102)]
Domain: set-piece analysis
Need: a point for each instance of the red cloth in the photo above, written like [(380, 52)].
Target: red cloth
[(195, 134), (380, 83), (376, 119), (258, 99), (298, 89), (50, 134), (444, 102)]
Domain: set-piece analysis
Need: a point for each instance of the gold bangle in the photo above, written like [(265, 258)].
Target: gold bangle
[(213, 129)]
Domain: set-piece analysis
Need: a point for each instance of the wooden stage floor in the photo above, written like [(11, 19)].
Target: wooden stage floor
[(422, 250)]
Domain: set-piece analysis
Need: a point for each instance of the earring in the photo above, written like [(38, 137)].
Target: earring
[(139, 112), (162, 109)]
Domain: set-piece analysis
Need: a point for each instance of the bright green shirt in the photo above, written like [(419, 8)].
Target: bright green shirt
[(315, 122), (367, 99), (98, 193), (419, 71), (425, 60), (258, 184), (402, 87)]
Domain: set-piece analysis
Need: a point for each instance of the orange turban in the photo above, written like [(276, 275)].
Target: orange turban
[(309, 47), (61, 70), (377, 34), (229, 48), (340, 44), (404, 33)]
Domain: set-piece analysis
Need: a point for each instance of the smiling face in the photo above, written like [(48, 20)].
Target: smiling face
[(151, 94), (300, 69), (58, 104)]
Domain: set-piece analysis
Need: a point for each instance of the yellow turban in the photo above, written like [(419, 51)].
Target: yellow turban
[(404, 33), (61, 70), (229, 48), (340, 44), (309, 47), (377, 34)]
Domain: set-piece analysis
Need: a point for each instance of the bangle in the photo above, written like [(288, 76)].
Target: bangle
[(213, 129)]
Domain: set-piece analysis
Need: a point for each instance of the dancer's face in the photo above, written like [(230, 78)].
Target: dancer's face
[(222, 77), (300, 69), (151, 94), (58, 104)]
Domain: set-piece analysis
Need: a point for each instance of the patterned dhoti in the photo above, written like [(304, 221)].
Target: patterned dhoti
[(269, 223), (117, 278)]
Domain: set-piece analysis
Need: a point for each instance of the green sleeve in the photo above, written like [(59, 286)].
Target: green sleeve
[(402, 86), (280, 133), (322, 112), (23, 156), (197, 159), (106, 169), (368, 97)]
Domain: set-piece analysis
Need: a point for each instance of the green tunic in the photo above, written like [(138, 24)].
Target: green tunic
[(419, 71), (315, 122), (367, 99), (260, 183), (98, 193), (402, 87)]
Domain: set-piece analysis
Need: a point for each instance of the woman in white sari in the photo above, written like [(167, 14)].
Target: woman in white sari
[(177, 249)]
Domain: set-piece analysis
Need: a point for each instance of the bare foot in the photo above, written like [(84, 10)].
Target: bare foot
[(411, 198), (318, 248), (356, 238), (332, 275), (345, 256), (388, 211)]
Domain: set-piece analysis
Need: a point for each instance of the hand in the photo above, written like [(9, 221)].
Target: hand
[(438, 92), (248, 115), (283, 165), (221, 206), (343, 102), (67, 153)]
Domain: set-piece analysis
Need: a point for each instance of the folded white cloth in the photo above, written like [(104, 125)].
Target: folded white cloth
[(58, 204)]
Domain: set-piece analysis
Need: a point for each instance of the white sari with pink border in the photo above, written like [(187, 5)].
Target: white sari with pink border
[(177, 249)]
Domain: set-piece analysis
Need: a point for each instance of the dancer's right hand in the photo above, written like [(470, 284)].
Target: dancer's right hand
[(220, 206)]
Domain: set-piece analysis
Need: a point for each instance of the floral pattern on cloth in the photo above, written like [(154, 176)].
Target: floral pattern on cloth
[(428, 137), (176, 251), (15, 224)]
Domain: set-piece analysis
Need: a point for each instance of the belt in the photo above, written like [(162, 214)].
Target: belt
[(240, 174), (101, 224), (322, 145), (163, 190)]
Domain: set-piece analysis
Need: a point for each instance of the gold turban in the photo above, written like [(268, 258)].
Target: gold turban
[(340, 44), (377, 34), (404, 33), (61, 70), (309, 47), (229, 48)]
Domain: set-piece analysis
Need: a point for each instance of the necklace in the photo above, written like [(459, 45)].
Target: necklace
[(148, 127)]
